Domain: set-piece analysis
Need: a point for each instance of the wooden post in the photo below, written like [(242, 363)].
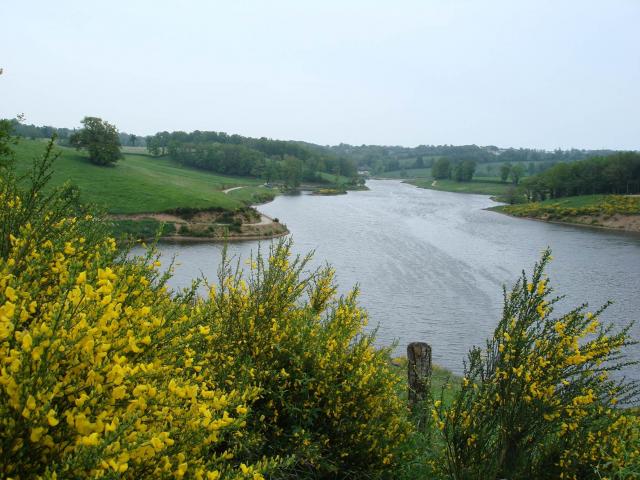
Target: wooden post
[(419, 371)]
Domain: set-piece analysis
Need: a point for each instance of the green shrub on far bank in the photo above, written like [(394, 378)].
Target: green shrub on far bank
[(140, 229), (571, 207)]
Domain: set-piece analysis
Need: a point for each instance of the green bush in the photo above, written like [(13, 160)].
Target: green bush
[(327, 396), (539, 401), (105, 373)]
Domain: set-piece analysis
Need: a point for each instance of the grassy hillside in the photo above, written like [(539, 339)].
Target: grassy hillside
[(139, 183), (407, 173), (481, 185)]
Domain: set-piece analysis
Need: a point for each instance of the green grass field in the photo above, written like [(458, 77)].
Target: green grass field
[(407, 173), (480, 185), (139, 183)]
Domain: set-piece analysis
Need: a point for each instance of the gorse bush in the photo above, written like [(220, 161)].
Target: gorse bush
[(607, 206), (89, 385), (327, 396), (540, 401), (105, 373)]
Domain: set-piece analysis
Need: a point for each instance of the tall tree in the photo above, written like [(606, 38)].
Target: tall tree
[(516, 173), (505, 170), (441, 169), (100, 139)]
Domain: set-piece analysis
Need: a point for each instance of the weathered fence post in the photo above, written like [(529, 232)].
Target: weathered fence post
[(419, 371)]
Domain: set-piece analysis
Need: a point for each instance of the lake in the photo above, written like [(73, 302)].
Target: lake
[(431, 265)]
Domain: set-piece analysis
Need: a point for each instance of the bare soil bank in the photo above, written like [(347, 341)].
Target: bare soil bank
[(207, 226)]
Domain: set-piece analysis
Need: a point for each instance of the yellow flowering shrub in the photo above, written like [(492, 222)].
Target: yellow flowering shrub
[(89, 383), (104, 373), (608, 205), (540, 400), (327, 396)]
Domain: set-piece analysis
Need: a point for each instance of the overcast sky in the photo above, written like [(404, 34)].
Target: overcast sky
[(541, 74)]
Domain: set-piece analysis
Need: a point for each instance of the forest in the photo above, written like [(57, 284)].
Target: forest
[(618, 173), (270, 159)]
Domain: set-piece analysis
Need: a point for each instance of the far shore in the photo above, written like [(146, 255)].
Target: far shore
[(617, 222)]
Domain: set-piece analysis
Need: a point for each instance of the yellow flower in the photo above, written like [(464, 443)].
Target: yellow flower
[(36, 434), (51, 418)]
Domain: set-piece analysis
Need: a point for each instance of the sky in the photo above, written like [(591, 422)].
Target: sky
[(540, 74)]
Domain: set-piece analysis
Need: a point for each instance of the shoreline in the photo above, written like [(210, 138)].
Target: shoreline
[(635, 230), (207, 229), (234, 238)]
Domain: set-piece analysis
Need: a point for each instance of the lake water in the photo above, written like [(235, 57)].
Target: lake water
[(431, 265)]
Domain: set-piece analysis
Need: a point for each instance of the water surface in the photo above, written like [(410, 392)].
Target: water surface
[(431, 265)]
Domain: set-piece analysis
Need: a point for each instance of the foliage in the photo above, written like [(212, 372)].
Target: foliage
[(260, 157), (505, 171), (6, 142), (572, 207), (516, 173), (539, 402), (463, 171), (140, 229), (384, 158), (613, 174), (441, 169), (327, 395), (100, 139), (105, 373)]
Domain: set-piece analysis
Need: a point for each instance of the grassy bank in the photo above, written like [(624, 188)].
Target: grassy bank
[(609, 211), (139, 183), (481, 185)]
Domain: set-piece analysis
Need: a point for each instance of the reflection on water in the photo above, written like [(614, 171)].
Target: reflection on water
[(431, 265)]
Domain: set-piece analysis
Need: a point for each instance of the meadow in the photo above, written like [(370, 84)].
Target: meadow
[(143, 184), (479, 185)]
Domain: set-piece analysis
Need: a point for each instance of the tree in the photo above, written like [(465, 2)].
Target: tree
[(6, 142), (292, 171), (516, 173), (505, 169), (100, 139), (132, 140), (441, 169)]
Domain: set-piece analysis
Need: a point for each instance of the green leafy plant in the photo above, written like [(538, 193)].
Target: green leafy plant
[(539, 401)]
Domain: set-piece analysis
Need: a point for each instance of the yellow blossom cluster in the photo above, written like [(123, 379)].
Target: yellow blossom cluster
[(327, 396), (541, 388), (89, 382)]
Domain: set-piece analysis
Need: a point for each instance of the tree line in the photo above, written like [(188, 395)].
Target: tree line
[(64, 134), (379, 158), (614, 174), (460, 171), (220, 152)]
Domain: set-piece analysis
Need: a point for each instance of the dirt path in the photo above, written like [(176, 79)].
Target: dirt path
[(231, 189)]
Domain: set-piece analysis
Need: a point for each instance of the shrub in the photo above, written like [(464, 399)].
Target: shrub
[(327, 396), (105, 373), (89, 384), (539, 402)]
